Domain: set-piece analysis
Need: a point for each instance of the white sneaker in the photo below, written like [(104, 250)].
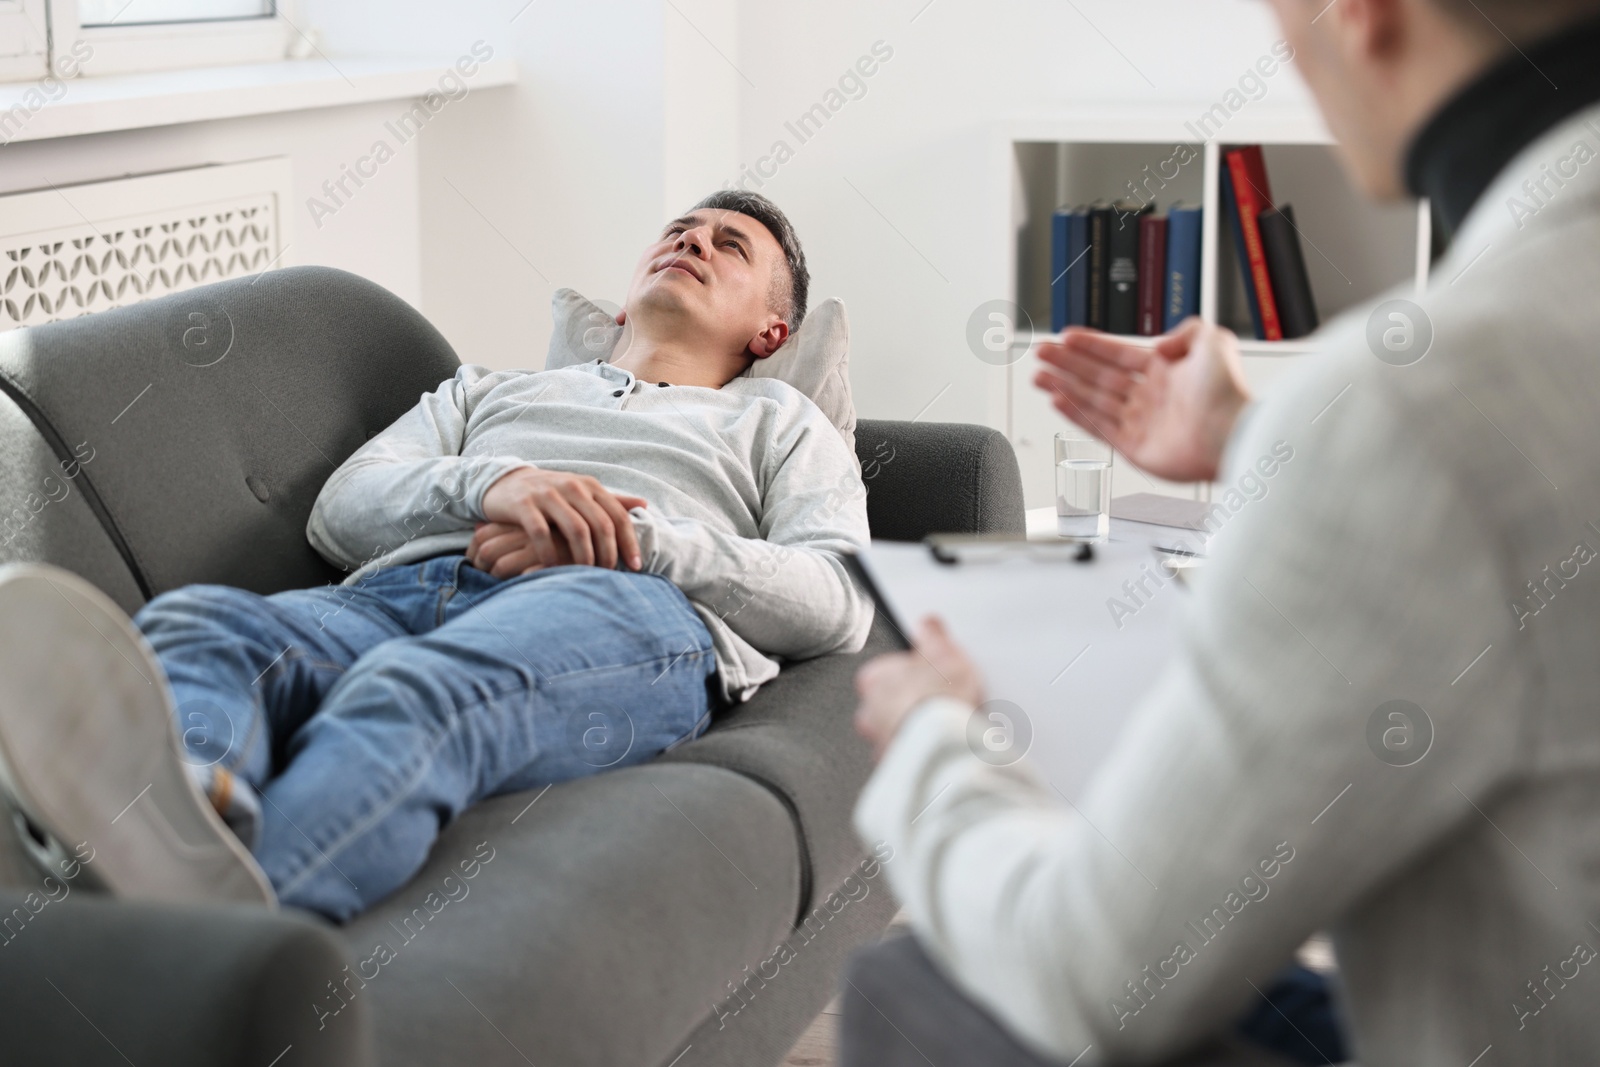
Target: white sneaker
[(90, 758)]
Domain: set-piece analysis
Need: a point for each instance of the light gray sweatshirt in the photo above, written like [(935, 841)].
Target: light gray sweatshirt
[(753, 495)]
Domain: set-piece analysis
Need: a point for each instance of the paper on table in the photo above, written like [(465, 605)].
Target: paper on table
[(1063, 666)]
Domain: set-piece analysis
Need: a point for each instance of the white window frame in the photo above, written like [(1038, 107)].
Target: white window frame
[(167, 46), (23, 22)]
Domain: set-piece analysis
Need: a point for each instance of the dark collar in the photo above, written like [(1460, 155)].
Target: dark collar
[(1462, 149)]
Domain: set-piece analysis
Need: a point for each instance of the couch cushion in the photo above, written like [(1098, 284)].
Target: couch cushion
[(217, 414), (602, 920)]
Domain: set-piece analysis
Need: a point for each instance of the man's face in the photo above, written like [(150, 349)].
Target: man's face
[(713, 272)]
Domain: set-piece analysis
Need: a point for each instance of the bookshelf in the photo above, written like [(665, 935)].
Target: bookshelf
[(1354, 249)]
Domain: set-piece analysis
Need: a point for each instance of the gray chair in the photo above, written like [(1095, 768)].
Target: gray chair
[(901, 1010), (632, 918)]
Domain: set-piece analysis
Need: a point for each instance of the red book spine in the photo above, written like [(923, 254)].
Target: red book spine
[(1255, 162), (1152, 273), (1252, 198)]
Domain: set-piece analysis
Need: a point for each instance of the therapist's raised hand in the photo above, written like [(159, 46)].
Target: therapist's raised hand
[(891, 686), (1168, 407)]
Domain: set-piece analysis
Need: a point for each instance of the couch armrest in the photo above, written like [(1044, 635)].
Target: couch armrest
[(938, 477), (91, 981)]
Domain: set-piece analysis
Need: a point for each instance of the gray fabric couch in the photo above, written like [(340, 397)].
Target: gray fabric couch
[(693, 911)]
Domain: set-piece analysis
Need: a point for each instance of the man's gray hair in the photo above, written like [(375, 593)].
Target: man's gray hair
[(792, 288)]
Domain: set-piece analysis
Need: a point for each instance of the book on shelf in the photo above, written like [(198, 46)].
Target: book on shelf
[(1230, 214), (1247, 174), (1060, 223), (1182, 291), (1069, 268), (1165, 522), (1078, 268), (1152, 273), (1102, 216), (1291, 284), (1122, 267)]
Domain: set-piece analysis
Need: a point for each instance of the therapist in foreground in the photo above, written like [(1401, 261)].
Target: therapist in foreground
[(1385, 717)]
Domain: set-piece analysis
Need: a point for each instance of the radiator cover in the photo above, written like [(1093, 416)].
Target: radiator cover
[(73, 249)]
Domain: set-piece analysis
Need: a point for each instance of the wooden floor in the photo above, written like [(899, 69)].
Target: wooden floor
[(816, 1047)]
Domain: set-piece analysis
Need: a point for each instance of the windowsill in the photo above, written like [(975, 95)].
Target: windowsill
[(166, 98)]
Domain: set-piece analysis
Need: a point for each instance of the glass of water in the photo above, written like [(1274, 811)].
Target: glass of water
[(1083, 486)]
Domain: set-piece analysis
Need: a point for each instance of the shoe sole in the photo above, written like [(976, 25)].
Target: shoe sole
[(89, 750)]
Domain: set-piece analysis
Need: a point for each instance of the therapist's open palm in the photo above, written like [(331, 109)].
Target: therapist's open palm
[(1168, 407)]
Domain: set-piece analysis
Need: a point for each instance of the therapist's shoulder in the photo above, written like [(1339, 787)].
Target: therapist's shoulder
[(1502, 342), (1510, 312)]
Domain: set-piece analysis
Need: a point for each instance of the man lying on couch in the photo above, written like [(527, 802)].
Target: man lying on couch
[(605, 553)]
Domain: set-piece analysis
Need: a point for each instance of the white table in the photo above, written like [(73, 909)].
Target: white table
[(1042, 524)]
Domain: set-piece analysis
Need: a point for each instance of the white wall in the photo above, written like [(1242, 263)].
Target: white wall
[(705, 79)]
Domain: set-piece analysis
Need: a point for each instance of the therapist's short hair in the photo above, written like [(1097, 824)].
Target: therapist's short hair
[(791, 288), (1523, 21)]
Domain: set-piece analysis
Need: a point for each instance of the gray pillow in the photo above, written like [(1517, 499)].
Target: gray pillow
[(815, 359)]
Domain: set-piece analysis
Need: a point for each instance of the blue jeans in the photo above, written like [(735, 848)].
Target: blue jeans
[(367, 717)]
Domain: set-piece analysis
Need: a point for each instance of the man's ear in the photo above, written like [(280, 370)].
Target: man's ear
[(770, 339)]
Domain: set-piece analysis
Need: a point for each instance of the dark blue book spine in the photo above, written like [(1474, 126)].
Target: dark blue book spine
[(1182, 295), (1078, 269), (1059, 225), (1230, 204)]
